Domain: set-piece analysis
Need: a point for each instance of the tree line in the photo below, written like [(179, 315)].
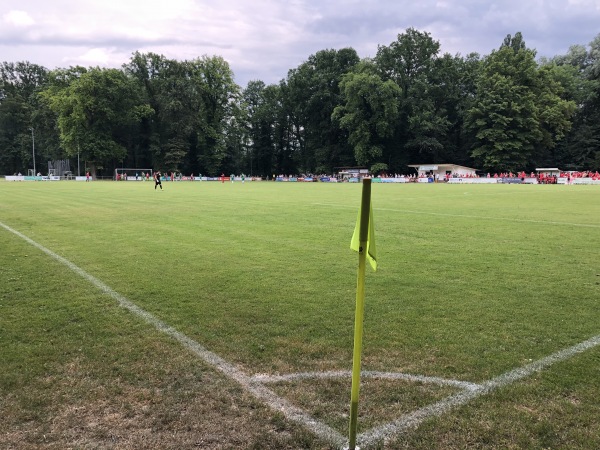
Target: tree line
[(408, 104)]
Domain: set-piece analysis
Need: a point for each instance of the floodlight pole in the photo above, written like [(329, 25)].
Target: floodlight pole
[(33, 150)]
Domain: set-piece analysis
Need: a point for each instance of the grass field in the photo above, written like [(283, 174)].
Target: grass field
[(257, 284)]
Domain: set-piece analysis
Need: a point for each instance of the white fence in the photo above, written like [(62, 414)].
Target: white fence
[(30, 178)]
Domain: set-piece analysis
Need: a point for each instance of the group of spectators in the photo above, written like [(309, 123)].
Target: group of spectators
[(546, 178), (543, 178), (570, 176), (304, 175), (585, 174), (172, 176), (415, 177), (138, 176)]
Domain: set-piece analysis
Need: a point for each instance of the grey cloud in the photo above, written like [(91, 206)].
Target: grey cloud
[(51, 40)]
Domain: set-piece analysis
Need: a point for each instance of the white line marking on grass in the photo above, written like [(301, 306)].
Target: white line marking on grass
[(258, 390), (266, 378), (468, 216), (414, 419)]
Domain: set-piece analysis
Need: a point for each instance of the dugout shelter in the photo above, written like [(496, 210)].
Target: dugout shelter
[(346, 172), (439, 171), (549, 172)]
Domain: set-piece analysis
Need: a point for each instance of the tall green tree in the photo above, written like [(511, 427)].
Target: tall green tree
[(167, 138), (369, 113), (196, 105), (413, 63), (149, 71), (460, 91), (517, 111), (46, 118), (95, 114), (220, 98), (579, 73), (259, 102), (19, 125), (313, 90)]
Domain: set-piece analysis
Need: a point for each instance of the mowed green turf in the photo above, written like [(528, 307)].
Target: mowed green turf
[(473, 281)]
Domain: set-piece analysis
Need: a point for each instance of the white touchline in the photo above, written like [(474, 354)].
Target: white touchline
[(255, 388), (468, 216)]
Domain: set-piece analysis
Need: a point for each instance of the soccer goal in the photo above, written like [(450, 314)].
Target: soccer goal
[(133, 174)]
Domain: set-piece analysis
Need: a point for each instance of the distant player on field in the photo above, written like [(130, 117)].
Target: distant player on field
[(157, 180)]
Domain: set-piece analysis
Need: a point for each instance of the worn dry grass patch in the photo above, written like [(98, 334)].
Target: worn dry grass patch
[(189, 407), (381, 401)]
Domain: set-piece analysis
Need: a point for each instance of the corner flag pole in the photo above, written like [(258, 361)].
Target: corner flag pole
[(363, 233)]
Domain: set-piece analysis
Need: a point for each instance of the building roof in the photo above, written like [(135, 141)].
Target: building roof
[(438, 166)]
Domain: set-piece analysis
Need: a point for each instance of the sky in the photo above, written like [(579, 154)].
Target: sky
[(263, 39)]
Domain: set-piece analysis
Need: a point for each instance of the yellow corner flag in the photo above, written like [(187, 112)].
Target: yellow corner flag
[(355, 242), (363, 241)]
